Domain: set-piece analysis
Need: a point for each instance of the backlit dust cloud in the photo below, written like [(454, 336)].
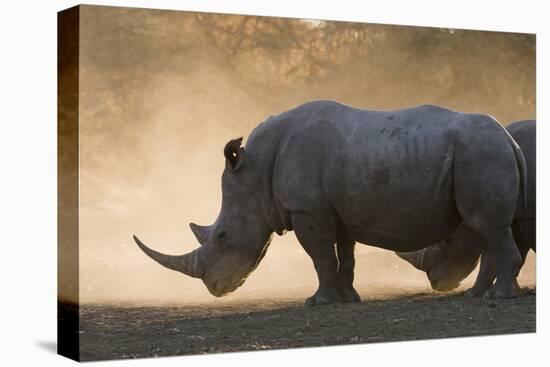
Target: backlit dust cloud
[(161, 92)]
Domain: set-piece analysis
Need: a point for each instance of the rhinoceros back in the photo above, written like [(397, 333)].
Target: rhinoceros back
[(364, 162)]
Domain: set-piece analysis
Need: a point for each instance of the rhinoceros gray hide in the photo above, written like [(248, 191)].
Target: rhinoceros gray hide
[(400, 180), (450, 261)]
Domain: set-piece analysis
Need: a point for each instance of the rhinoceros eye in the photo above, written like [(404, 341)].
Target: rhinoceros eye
[(223, 245)]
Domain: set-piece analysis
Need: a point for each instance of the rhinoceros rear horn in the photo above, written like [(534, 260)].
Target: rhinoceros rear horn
[(189, 264), (200, 232)]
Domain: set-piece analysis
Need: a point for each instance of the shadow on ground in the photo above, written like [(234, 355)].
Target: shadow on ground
[(113, 332)]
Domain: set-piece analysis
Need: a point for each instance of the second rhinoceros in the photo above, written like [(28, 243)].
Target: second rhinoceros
[(400, 180), (450, 261)]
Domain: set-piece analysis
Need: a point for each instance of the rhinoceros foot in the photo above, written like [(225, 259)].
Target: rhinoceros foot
[(324, 297), (475, 292), (349, 294), (500, 293)]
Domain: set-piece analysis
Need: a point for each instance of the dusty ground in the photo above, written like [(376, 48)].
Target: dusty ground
[(111, 332)]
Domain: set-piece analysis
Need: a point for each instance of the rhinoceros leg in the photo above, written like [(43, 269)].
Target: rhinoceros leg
[(485, 277), (486, 191), (505, 286), (346, 266), (523, 247), (318, 241), (487, 271), (524, 243), (507, 259)]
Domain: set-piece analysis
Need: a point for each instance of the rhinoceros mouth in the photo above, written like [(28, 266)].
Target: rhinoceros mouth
[(442, 285), (219, 288)]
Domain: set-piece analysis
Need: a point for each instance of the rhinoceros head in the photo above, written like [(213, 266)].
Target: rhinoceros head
[(232, 247), (455, 265), (448, 262)]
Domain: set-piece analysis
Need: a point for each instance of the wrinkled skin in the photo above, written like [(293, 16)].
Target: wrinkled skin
[(450, 261), (399, 180)]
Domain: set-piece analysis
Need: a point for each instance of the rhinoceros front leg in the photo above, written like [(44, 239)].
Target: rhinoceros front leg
[(346, 266), (318, 241)]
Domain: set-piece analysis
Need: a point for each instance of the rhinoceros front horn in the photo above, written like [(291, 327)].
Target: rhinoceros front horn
[(189, 264), (414, 258), (421, 259)]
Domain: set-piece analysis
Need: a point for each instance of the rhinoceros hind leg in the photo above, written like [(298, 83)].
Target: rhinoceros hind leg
[(324, 296), (485, 277), (508, 260), (346, 266), (349, 295), (473, 293), (503, 255), (494, 293), (491, 291), (318, 240), (486, 191)]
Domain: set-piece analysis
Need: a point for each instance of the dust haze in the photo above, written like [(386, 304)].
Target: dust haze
[(161, 92)]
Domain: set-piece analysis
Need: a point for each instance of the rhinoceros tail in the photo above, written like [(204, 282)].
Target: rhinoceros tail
[(522, 168)]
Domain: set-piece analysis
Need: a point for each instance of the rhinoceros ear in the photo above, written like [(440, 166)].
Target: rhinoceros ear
[(234, 154)]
